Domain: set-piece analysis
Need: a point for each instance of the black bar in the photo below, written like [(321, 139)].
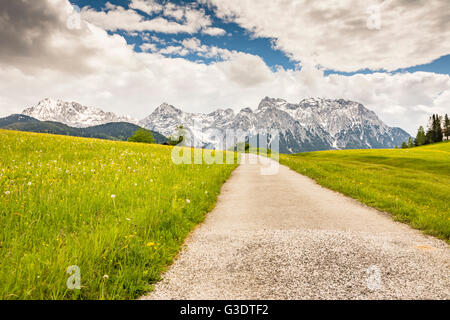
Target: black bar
[(242, 309)]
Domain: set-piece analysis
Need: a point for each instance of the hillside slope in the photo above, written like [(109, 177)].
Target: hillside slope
[(109, 131)]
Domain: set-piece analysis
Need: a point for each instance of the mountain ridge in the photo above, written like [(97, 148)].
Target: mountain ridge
[(312, 124)]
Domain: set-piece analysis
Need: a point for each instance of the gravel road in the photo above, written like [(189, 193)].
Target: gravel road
[(284, 237)]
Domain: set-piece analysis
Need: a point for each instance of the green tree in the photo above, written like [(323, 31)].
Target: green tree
[(142, 135), (421, 138), (434, 132), (410, 143), (438, 129), (404, 145), (431, 133), (447, 126)]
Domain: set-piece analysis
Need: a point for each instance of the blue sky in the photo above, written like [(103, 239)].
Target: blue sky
[(239, 39)]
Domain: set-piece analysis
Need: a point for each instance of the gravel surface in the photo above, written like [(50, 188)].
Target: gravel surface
[(284, 237)]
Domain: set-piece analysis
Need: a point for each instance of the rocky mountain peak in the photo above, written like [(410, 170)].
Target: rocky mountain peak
[(246, 110), (271, 102), (72, 114), (167, 108)]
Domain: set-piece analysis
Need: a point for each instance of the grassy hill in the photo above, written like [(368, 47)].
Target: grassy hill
[(411, 184), (117, 210), (110, 131)]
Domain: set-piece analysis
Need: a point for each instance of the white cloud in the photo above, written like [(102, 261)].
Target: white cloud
[(152, 38), (129, 20), (36, 35), (147, 6), (213, 31), (191, 43), (148, 47), (402, 99), (174, 50), (174, 11), (110, 6), (194, 46), (335, 34), (188, 19), (245, 70)]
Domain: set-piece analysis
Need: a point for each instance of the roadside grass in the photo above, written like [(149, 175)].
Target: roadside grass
[(119, 211), (413, 185)]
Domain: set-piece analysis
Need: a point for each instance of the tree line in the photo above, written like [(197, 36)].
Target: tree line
[(438, 128)]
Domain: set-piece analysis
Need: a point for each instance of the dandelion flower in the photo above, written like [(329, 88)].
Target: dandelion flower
[(150, 244), (113, 196)]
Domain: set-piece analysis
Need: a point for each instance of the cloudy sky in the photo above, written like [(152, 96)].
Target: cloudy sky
[(129, 56)]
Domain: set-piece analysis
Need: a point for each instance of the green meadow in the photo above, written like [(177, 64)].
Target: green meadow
[(413, 185), (118, 211)]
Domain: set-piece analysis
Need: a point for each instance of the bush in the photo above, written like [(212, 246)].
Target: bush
[(142, 135)]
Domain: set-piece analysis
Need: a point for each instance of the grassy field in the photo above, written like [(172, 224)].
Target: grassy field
[(411, 184), (117, 210)]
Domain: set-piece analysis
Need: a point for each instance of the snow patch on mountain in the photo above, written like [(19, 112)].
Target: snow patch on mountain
[(312, 124), (73, 114)]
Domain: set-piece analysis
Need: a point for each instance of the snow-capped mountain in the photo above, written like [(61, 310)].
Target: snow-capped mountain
[(72, 114), (168, 119), (312, 124)]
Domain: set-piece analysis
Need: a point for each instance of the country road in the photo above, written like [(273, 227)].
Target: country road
[(284, 237)]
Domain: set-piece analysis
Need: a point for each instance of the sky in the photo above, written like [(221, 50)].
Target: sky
[(130, 56)]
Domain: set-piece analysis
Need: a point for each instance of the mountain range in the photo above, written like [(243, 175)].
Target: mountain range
[(310, 125)]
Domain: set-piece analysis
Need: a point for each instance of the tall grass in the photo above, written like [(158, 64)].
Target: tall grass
[(411, 184), (119, 211)]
